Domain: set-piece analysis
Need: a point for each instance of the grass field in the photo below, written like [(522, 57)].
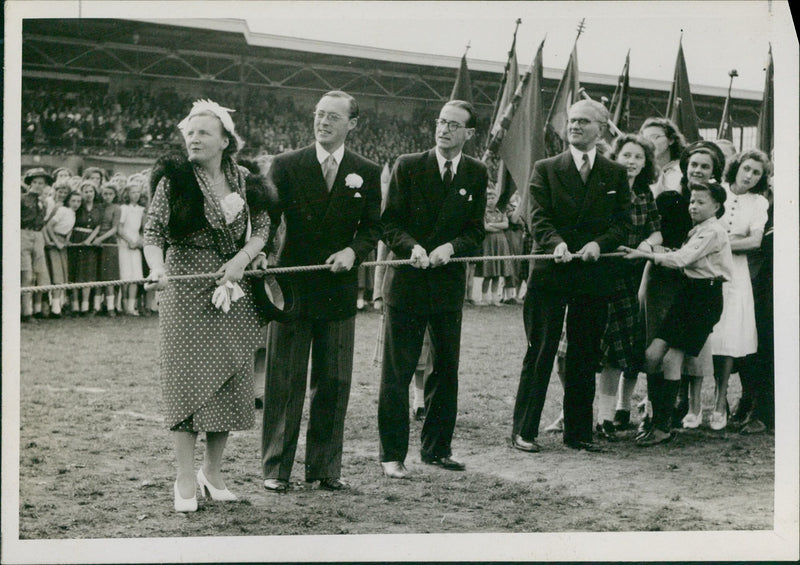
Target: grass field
[(96, 462)]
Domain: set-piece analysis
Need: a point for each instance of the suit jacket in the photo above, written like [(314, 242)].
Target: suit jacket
[(420, 211), (319, 223), (563, 209)]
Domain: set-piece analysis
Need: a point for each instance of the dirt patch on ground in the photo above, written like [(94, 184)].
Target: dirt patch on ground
[(96, 462)]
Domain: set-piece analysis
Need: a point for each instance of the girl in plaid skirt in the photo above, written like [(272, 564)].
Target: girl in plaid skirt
[(623, 340)]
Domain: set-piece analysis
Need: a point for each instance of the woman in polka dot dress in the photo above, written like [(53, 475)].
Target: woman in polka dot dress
[(208, 328)]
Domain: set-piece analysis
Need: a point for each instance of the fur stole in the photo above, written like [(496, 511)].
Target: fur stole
[(186, 200)]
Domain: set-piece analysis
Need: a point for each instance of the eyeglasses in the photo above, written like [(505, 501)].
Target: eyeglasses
[(332, 117), (451, 126)]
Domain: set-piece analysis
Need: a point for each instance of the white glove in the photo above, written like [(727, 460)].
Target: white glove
[(225, 294)]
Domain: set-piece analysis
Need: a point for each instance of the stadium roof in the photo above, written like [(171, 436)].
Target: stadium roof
[(225, 51), (338, 50)]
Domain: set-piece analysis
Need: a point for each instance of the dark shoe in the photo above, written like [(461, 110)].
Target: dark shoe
[(653, 437), (276, 485), (54, 316), (742, 412), (419, 414), (39, 316), (528, 446), (27, 319), (446, 462), (753, 426), (259, 403), (607, 431), (584, 446), (622, 420), (333, 484)]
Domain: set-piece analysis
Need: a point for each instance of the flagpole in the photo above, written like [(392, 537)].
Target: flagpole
[(504, 80), (721, 131), (609, 123)]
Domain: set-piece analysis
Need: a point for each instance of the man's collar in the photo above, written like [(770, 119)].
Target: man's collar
[(577, 156), (442, 160), (322, 153)]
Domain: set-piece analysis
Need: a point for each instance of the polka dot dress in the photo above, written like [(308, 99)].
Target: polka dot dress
[(206, 354)]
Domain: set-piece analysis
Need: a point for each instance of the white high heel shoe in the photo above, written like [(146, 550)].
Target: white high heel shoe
[(215, 493), (185, 504)]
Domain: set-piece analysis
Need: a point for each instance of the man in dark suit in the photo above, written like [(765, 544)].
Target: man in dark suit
[(330, 199), (579, 208), (434, 211)]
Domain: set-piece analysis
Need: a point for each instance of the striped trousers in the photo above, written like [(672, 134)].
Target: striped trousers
[(289, 345)]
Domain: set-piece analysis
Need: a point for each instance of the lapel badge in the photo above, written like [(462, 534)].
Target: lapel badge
[(357, 195), (462, 192), (470, 198)]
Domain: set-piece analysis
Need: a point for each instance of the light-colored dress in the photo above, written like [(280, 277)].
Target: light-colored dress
[(130, 259), (735, 334), (206, 354)]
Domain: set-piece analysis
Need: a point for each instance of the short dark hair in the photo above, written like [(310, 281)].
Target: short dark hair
[(677, 143), (706, 148), (72, 193), (648, 173), (472, 121), (344, 95), (716, 191), (733, 169), (112, 187)]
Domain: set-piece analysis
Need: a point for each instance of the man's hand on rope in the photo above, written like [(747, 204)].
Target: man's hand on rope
[(441, 255), (341, 261), (419, 257), (561, 253), (590, 252)]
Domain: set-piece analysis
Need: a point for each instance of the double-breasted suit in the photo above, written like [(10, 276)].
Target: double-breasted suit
[(318, 223), (565, 209), (421, 210)]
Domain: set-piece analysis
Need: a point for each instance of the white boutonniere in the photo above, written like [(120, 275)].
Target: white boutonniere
[(462, 192), (353, 180)]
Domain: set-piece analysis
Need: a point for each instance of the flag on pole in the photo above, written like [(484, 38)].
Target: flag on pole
[(725, 130), (567, 93), (680, 108), (620, 107), (523, 143), (462, 89), (766, 119), (504, 184)]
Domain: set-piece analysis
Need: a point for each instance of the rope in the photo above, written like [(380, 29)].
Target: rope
[(283, 270)]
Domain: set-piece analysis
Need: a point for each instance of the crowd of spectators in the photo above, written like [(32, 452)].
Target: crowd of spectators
[(139, 123)]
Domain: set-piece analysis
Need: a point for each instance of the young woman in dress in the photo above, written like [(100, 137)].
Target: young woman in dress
[(130, 244), (735, 335), (209, 329), (107, 239), (83, 255), (623, 342), (669, 143), (58, 230), (495, 243)]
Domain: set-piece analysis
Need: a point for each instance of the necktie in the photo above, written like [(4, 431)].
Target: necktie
[(329, 169), (585, 169), (448, 174)]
